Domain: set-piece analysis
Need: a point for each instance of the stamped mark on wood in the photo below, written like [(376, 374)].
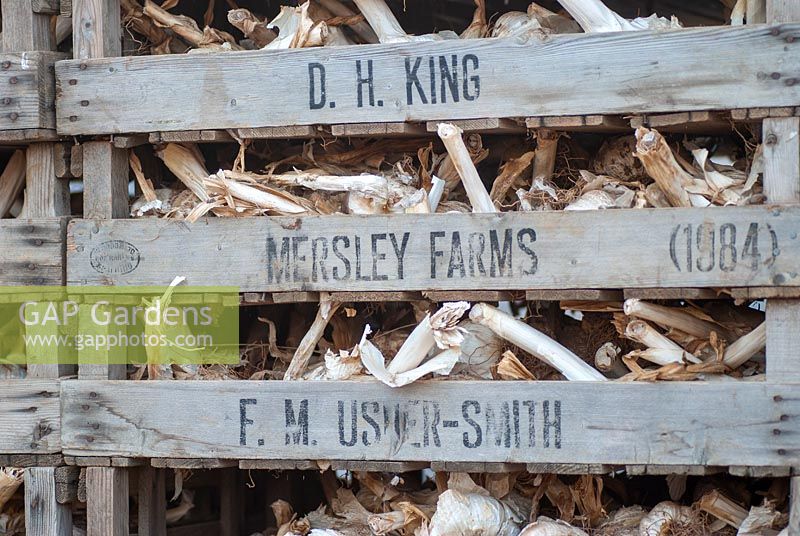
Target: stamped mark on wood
[(429, 80), (115, 257), (415, 423)]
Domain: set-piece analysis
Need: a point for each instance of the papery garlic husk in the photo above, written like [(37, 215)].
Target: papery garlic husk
[(544, 526), (664, 517)]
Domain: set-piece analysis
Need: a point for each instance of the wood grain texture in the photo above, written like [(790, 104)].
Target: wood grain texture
[(105, 180), (152, 502), (33, 252), (50, 7), (66, 8), (46, 196), (783, 326), (692, 248), (96, 29), (44, 516), (212, 91), (30, 417), (573, 422), (782, 160), (107, 512), (794, 506), (24, 30), (779, 11), (27, 91)]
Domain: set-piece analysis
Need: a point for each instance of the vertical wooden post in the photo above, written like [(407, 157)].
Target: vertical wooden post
[(230, 502), (25, 30), (44, 516), (96, 33), (107, 501), (782, 186), (152, 502), (105, 181)]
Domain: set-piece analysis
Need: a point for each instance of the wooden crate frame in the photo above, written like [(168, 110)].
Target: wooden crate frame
[(769, 98)]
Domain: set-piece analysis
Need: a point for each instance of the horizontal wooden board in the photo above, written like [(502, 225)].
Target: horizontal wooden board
[(27, 90), (610, 73), (692, 248), (30, 420), (32, 252), (445, 421)]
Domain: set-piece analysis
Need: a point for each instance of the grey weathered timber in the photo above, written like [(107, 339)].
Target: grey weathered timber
[(25, 30), (692, 248), (27, 90), (231, 507), (44, 516), (32, 252), (29, 417), (469, 79), (782, 11), (152, 502), (96, 29), (50, 7), (46, 196), (105, 180), (794, 507), (107, 512), (507, 422)]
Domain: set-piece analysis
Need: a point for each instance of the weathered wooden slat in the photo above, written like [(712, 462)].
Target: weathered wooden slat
[(29, 417), (27, 91), (447, 80), (24, 29), (32, 460), (107, 493), (32, 252), (44, 515), (389, 130), (580, 123), (676, 293), (25, 136), (499, 422), (193, 136), (689, 248), (280, 132), (489, 125)]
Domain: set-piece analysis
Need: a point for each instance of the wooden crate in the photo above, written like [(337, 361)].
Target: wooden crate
[(214, 91), (540, 426), (33, 252)]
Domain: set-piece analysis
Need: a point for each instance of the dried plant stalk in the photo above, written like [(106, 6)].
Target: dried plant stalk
[(162, 42), (476, 192), (10, 481), (509, 174), (439, 329), (361, 28), (511, 368), (381, 524), (746, 346), (12, 181), (544, 164), (671, 317), (300, 358), (231, 183), (644, 333), (660, 164), (252, 27), (382, 21), (478, 27), (721, 507), (436, 192), (185, 162), (187, 28), (144, 183), (594, 16), (535, 342)]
